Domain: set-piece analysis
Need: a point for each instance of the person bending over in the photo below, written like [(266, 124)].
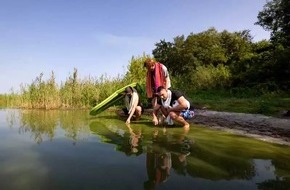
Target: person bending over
[(133, 104), (157, 75), (174, 105)]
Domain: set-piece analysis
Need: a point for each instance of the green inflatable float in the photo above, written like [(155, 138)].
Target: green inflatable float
[(113, 99)]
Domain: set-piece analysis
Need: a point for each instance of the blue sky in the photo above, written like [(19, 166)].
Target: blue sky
[(100, 36)]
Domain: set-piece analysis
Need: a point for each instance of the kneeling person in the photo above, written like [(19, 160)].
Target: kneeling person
[(133, 104), (173, 104)]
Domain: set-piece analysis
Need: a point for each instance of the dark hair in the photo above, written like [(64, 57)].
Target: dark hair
[(160, 88), (128, 89)]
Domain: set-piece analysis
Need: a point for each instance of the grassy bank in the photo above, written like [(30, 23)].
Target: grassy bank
[(225, 100), (222, 100)]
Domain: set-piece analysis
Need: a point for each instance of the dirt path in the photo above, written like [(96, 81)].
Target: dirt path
[(275, 130)]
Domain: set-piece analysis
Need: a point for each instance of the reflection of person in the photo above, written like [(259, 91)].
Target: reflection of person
[(134, 139), (173, 105), (181, 149), (158, 160), (167, 151), (157, 75), (133, 104), (158, 167)]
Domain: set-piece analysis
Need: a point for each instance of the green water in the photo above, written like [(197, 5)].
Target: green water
[(70, 150)]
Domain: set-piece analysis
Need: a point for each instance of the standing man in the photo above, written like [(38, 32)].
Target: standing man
[(157, 75), (175, 105)]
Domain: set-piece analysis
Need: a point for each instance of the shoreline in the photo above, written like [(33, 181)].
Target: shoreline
[(265, 128)]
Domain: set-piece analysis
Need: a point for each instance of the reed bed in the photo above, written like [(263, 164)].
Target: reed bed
[(73, 93)]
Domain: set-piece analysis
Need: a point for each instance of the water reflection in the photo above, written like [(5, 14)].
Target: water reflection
[(199, 158), (210, 156), (135, 139), (166, 152), (42, 124)]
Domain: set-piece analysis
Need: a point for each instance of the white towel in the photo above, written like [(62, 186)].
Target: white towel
[(169, 121), (166, 103)]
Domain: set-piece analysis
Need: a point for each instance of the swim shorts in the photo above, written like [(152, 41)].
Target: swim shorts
[(187, 114)]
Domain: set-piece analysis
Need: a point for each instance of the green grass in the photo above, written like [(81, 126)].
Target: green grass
[(267, 104)]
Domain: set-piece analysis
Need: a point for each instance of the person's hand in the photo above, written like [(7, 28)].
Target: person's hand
[(168, 109), (155, 121), (128, 121)]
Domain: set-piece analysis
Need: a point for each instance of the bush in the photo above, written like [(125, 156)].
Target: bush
[(211, 77)]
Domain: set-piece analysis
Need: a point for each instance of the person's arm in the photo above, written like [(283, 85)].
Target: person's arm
[(154, 114), (182, 105), (166, 75), (130, 129), (132, 110), (167, 82)]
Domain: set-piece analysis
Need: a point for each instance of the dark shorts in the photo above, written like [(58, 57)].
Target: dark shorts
[(126, 112)]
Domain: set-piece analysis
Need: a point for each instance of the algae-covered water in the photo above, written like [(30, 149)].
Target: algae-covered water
[(67, 150)]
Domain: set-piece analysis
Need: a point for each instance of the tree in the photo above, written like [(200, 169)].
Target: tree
[(171, 55), (275, 17), (237, 45), (162, 51), (136, 70)]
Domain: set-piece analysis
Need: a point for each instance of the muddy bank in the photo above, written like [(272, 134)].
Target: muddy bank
[(271, 129)]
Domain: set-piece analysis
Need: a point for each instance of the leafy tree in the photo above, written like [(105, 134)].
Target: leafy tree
[(170, 54), (275, 17), (237, 45), (205, 50), (162, 51), (136, 70)]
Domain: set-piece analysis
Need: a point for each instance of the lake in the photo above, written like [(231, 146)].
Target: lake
[(58, 150)]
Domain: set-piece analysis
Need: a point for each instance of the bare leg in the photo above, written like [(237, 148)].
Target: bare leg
[(176, 117), (138, 112)]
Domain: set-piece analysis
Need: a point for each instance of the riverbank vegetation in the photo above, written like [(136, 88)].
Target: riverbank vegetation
[(217, 70)]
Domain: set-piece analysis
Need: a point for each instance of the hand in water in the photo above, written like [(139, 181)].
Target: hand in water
[(155, 121)]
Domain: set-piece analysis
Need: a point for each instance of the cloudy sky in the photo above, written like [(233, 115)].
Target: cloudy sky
[(100, 36)]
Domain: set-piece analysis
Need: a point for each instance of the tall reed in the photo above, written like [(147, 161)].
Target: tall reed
[(72, 93)]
